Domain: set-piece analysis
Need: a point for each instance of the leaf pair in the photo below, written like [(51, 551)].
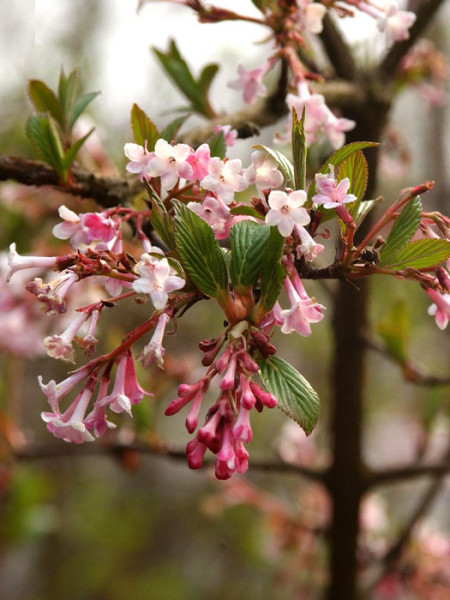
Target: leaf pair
[(51, 129)]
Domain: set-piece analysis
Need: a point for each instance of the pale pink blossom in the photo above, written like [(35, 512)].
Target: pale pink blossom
[(215, 213), (310, 15), (154, 350), (331, 194), (224, 179), (307, 247), (70, 425), (55, 391), (53, 293), (320, 122), (303, 311), (139, 159), (440, 309), (230, 134), (156, 278), (60, 346), (96, 421), (263, 172), (17, 262), (170, 163), (396, 23), (286, 211), (250, 82)]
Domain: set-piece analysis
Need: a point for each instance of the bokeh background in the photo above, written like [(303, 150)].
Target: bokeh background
[(92, 526)]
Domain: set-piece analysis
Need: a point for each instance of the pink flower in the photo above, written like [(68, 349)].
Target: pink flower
[(396, 23), (440, 309), (17, 262), (55, 391), (303, 311), (84, 228), (70, 426), (199, 161), (154, 351), (224, 179), (139, 159), (310, 16), (170, 162), (332, 194), (263, 172), (53, 293), (215, 213), (126, 390), (60, 346), (250, 82), (156, 278), (307, 247), (230, 134), (286, 211)]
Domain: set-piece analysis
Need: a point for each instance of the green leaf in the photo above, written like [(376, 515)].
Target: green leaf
[(144, 130), (272, 272), (420, 254), (295, 395), (73, 150), (79, 107), (67, 92), (338, 157), (217, 145), (404, 228), (356, 169), (44, 99), (285, 164), (200, 254), (364, 208), (248, 211), (299, 150), (248, 241), (161, 221), (42, 134), (394, 329), (170, 132), (178, 70)]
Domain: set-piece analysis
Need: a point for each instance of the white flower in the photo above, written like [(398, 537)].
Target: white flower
[(224, 178), (286, 211), (156, 278), (170, 162), (263, 172)]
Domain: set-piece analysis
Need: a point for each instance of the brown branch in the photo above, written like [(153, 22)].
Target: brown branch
[(377, 478), (411, 373), (107, 191), (389, 65), (338, 51), (115, 448)]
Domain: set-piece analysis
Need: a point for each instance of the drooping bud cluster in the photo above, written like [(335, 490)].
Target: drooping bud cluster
[(227, 424)]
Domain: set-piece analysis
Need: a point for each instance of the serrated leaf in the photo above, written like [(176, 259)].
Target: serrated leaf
[(178, 70), (79, 106), (200, 254), (420, 254), (272, 272), (144, 130), (74, 149), (394, 329), (338, 157), (299, 150), (217, 145), (248, 241), (286, 167), (294, 393), (356, 169), (44, 99), (364, 208), (170, 132), (161, 221), (402, 231)]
